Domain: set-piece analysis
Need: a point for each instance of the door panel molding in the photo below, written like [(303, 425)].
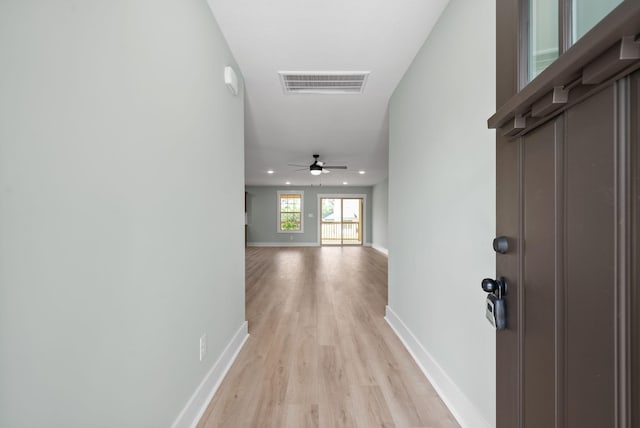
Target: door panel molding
[(561, 279), (508, 367), (590, 271), (540, 284), (634, 231), (623, 253)]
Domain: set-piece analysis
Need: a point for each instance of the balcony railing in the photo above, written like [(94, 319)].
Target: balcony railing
[(341, 233)]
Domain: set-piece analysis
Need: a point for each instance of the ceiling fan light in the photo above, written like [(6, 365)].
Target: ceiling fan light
[(316, 171)]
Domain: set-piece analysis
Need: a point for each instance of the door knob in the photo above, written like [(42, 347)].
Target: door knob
[(501, 245)]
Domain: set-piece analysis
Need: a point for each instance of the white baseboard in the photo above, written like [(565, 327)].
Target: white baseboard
[(282, 244), (465, 412), (197, 404), (381, 249), (292, 244)]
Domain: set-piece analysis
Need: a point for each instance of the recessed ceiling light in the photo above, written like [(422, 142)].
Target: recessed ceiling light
[(288, 182), (361, 172), (345, 183), (270, 171)]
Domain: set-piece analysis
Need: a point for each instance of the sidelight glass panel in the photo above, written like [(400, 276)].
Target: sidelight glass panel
[(543, 35), (585, 14)]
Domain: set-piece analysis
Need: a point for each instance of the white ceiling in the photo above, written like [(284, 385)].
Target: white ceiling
[(380, 36)]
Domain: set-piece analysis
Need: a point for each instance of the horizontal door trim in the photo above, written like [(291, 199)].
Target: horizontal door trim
[(609, 51)]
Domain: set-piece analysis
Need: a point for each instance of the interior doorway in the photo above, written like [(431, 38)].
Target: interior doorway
[(341, 221)]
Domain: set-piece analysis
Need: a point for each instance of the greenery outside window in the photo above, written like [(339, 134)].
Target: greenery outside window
[(290, 210)]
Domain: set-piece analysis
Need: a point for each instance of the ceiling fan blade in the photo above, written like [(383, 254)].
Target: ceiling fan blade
[(302, 169), (336, 167), (320, 163), (298, 165), (325, 171)]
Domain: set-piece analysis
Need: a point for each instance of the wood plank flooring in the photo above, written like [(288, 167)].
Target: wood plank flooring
[(320, 353)]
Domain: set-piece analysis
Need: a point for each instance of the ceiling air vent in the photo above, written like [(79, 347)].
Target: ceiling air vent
[(323, 82)]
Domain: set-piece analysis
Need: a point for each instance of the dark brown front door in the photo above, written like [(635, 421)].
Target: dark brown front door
[(568, 199)]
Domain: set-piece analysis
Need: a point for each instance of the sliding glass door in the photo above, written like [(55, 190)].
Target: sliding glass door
[(341, 222)]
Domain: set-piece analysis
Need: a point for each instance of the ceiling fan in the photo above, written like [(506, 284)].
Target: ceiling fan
[(318, 167)]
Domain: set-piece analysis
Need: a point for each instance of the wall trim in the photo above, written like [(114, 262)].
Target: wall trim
[(381, 249), (202, 396), (465, 412), (282, 244)]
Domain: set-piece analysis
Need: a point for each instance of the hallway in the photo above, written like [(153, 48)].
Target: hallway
[(320, 352)]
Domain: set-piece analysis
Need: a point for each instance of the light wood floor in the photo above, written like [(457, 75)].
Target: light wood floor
[(320, 353)]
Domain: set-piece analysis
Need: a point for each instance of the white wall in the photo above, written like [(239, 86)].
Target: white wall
[(121, 209), (380, 215), (442, 203)]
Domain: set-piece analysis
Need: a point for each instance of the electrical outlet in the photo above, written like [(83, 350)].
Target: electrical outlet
[(203, 346)]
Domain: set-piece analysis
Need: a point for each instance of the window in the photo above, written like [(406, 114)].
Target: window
[(586, 14), (290, 212), (543, 35), (551, 31)]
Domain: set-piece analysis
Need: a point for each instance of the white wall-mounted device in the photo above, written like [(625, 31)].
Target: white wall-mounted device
[(231, 80)]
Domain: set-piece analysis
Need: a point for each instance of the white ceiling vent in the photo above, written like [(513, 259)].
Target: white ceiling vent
[(323, 82)]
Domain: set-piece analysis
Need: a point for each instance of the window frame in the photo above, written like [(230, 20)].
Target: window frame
[(279, 213), (563, 42)]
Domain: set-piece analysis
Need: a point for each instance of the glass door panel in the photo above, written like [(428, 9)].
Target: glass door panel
[(544, 27), (351, 220), (341, 222), (585, 14), (543, 35), (331, 230)]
